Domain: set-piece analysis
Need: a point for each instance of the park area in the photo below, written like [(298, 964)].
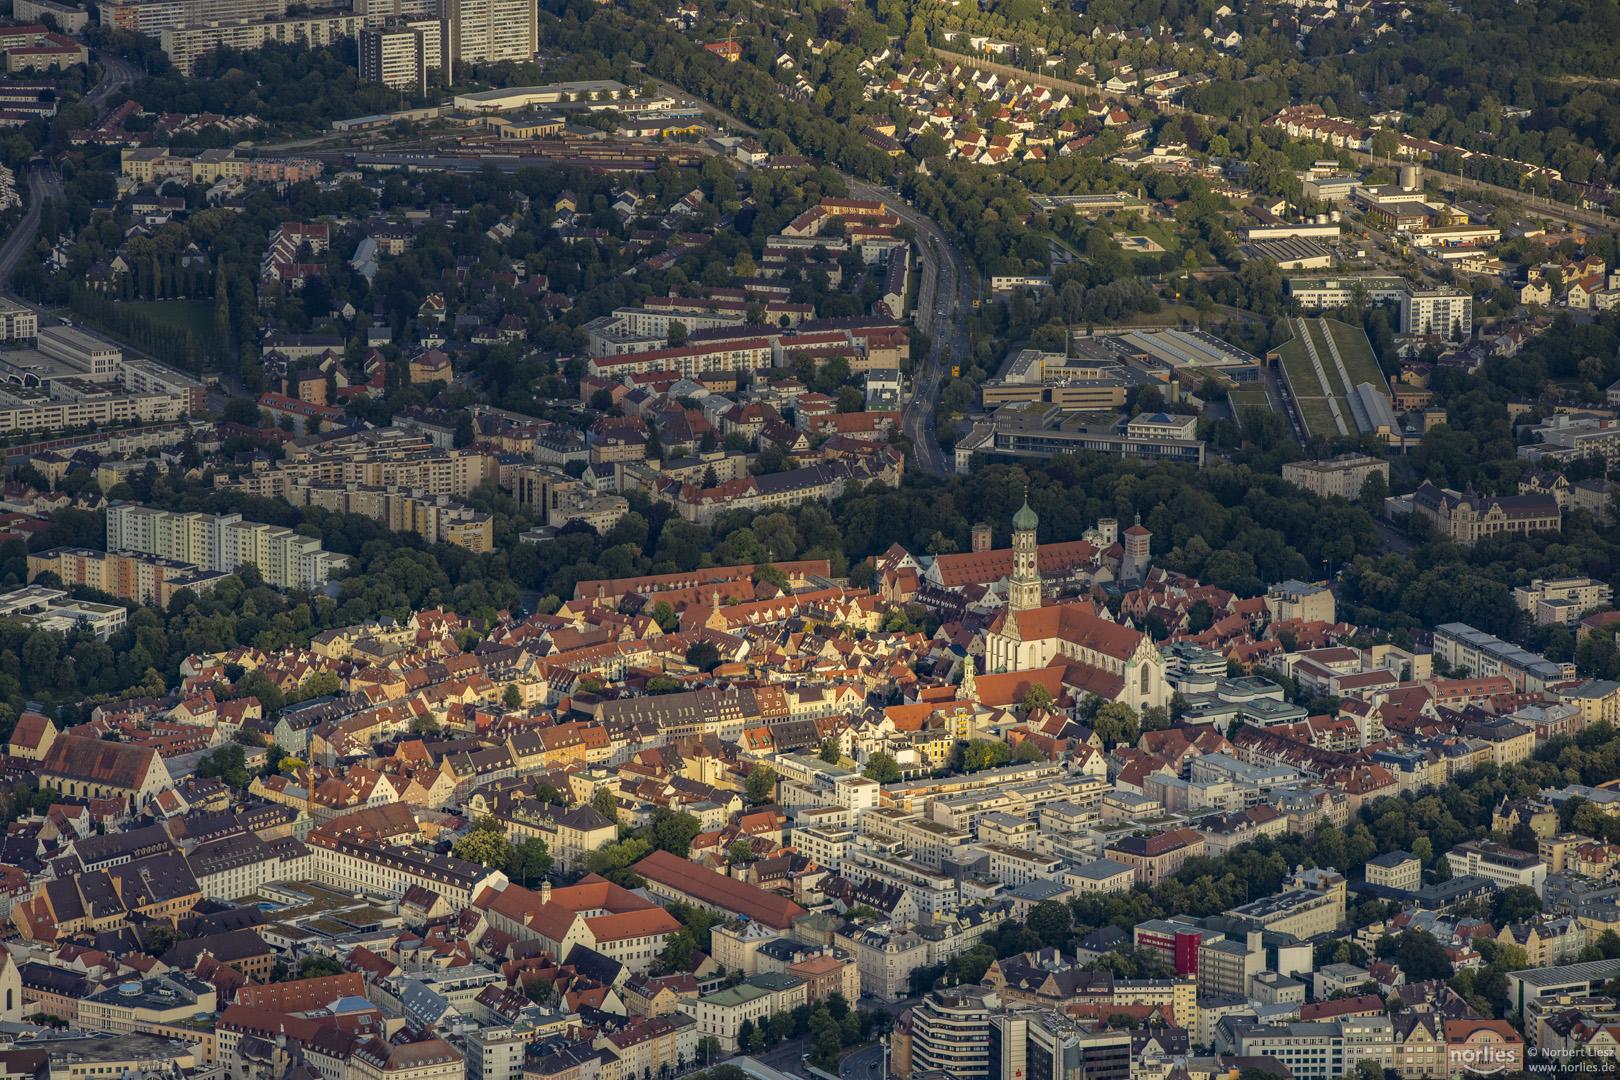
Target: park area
[(196, 316)]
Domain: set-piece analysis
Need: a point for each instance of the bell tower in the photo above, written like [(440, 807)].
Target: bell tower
[(1024, 587)]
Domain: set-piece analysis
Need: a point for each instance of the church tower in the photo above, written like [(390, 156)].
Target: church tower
[(1138, 547), (1024, 587)]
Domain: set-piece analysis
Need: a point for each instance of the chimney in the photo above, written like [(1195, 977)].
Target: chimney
[(545, 892)]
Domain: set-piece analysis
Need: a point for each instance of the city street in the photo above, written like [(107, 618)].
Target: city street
[(941, 310)]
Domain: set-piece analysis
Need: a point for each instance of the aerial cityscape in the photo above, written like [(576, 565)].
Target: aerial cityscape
[(809, 540)]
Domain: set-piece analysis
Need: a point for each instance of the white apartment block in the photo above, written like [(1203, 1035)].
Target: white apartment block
[(1561, 601), (184, 44), (98, 411), (1015, 866), (495, 1054), (828, 846), (1446, 311), (223, 542), (395, 56), (486, 30), (929, 842)]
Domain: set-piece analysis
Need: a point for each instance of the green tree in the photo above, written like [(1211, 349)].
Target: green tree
[(882, 768), (703, 655), (830, 752), (159, 939), (1515, 904), (760, 785), (1052, 920), (674, 832), (513, 698), (319, 967), (485, 844), (740, 852), (1036, 697), (604, 802), (529, 861)]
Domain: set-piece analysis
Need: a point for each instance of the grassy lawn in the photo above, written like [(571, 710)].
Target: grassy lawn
[(1242, 399), (1319, 418), (1301, 374), (1356, 352), (194, 315), (1335, 385)]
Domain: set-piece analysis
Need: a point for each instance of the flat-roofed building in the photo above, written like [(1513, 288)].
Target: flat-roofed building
[(1343, 475)]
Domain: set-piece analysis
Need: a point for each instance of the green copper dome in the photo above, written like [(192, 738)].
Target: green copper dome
[(1025, 520)]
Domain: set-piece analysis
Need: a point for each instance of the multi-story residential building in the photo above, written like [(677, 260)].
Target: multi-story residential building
[(138, 1006), (755, 999), (1511, 742), (1101, 875), (828, 974), (1419, 1045), (1226, 966), (148, 17), (1445, 310), (430, 1059), (827, 845), (1309, 1051), (1343, 475), (144, 377), (489, 31), (401, 52), (1016, 866), (886, 957), (1300, 600), (1480, 1046), (495, 1053), (184, 44), (1395, 870), (1505, 866), (80, 403), (223, 542), (147, 579), (1482, 656), (644, 1047), (1155, 857), (1597, 699), (950, 1032), (1301, 912), (1561, 602), (929, 842)]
